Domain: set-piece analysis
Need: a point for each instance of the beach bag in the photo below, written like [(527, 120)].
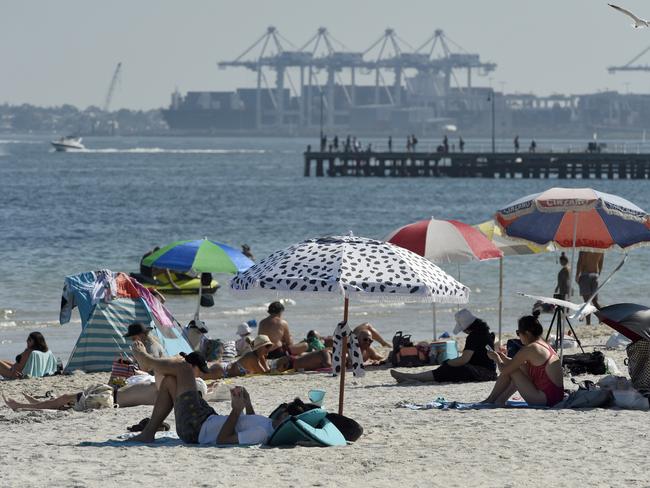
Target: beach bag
[(123, 368), (592, 398), (441, 351), (588, 362), (638, 365), (95, 397), (404, 353)]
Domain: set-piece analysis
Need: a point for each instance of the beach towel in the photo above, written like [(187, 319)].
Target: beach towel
[(40, 364), (344, 333), (442, 404)]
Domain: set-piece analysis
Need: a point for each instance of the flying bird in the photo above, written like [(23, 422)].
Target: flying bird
[(638, 23)]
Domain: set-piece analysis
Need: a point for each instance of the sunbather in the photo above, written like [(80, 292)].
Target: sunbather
[(13, 370), (376, 336), (371, 357), (196, 421), (472, 365), (253, 362), (535, 371), (306, 362)]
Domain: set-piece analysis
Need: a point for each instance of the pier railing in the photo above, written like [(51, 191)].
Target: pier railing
[(584, 165)]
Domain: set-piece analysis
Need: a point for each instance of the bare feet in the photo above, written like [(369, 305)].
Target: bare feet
[(142, 437), (12, 404), (140, 353)]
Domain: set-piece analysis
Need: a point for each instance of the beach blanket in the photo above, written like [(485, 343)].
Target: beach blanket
[(442, 404)]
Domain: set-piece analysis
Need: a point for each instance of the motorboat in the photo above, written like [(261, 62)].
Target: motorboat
[(69, 143)]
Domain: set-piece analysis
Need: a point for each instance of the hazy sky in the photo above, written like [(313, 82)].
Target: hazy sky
[(65, 51)]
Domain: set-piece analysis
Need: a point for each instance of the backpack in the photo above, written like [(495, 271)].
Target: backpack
[(405, 354), (95, 397), (588, 362)]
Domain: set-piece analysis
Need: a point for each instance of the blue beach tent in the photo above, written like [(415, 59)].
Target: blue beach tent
[(104, 323)]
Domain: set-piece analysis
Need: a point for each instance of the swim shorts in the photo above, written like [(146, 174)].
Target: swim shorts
[(588, 284), (191, 410)]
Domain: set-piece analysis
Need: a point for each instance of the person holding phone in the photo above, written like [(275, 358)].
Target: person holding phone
[(472, 365)]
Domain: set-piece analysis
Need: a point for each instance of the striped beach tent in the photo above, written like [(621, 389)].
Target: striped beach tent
[(101, 340)]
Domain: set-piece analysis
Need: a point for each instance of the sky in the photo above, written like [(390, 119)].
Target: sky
[(65, 51)]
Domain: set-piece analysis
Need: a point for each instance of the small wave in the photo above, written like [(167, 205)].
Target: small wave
[(160, 150), (8, 323)]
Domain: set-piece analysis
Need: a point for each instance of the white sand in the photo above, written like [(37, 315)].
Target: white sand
[(400, 447)]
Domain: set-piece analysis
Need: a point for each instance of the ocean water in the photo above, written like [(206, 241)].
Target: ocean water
[(64, 213)]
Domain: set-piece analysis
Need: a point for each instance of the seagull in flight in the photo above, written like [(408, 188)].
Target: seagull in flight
[(638, 23)]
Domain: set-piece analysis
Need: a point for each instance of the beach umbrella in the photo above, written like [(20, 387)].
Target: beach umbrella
[(444, 241), (355, 268), (576, 218), (630, 319), (509, 248), (198, 256)]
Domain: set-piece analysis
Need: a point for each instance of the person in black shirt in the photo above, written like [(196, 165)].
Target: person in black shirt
[(472, 365)]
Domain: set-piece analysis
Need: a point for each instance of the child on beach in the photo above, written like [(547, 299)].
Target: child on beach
[(563, 279)]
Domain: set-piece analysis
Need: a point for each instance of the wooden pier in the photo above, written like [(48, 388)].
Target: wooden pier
[(572, 165)]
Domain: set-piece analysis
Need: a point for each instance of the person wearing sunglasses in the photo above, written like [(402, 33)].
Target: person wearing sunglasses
[(535, 371), (370, 355)]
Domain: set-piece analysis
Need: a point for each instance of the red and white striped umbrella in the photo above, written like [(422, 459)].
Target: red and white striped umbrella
[(445, 241)]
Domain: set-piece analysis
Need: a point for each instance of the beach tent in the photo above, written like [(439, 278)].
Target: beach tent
[(107, 306)]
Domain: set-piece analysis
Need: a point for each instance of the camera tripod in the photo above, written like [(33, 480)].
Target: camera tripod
[(558, 317)]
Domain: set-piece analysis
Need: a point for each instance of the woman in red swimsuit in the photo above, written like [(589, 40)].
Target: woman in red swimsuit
[(535, 371)]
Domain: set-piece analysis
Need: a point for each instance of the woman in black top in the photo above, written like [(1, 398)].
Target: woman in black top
[(472, 365)]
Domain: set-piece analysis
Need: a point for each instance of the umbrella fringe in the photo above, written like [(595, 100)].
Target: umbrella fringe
[(355, 296)]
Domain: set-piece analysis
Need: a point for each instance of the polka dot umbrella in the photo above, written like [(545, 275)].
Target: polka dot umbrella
[(353, 267)]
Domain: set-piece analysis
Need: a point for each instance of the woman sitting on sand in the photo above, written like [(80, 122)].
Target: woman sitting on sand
[(473, 365), (35, 342), (535, 371)]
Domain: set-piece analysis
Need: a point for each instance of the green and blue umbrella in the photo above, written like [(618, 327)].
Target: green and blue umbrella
[(199, 256)]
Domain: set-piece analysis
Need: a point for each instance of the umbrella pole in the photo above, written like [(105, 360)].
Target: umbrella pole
[(573, 260), (343, 358), (435, 323), (500, 297)]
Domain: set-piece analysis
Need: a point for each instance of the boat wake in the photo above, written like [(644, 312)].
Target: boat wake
[(160, 150)]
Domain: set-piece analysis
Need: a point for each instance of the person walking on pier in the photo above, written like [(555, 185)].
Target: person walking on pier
[(461, 144), (516, 143), (533, 146), (408, 144), (414, 141), (336, 142), (323, 142), (445, 143), (347, 143), (390, 143)]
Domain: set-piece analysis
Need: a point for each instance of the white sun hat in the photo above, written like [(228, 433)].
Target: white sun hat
[(464, 318)]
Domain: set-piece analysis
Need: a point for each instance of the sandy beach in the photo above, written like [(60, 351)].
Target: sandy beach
[(497, 448)]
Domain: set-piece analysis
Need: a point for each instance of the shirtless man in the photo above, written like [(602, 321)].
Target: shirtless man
[(370, 356), (376, 336), (253, 362), (277, 330), (590, 265)]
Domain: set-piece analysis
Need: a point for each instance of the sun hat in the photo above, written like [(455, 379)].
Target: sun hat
[(196, 359), (464, 318), (136, 328), (261, 341), (243, 329)]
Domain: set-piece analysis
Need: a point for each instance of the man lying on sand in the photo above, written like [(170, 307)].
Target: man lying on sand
[(196, 421), (127, 396)]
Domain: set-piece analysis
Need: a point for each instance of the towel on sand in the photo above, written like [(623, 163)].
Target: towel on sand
[(445, 405)]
